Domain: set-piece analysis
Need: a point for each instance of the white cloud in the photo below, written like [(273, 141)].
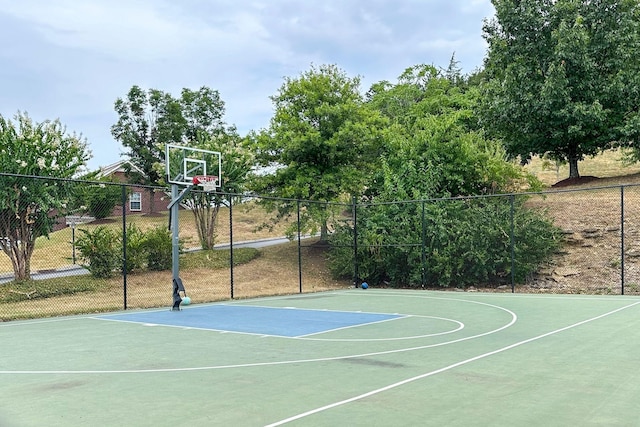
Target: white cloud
[(71, 59)]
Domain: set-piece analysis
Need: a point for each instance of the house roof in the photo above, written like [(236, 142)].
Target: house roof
[(116, 167)]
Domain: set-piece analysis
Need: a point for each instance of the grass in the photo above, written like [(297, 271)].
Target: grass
[(606, 165), (267, 271), (56, 251)]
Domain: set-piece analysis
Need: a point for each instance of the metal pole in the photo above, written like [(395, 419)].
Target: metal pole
[(355, 243), (124, 245), (513, 246), (231, 243), (175, 240), (424, 255), (622, 240), (73, 242), (299, 249)]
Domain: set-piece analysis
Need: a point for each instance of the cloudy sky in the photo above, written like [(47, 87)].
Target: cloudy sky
[(71, 59)]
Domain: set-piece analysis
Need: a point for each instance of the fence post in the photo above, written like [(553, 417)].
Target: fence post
[(622, 239), (299, 248), (231, 244), (424, 255), (513, 244), (355, 241), (124, 245)]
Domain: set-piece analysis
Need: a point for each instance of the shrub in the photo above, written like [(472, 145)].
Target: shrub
[(100, 250), (158, 248), (460, 243), (136, 248)]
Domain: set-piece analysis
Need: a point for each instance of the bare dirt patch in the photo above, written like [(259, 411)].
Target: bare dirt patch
[(600, 220)]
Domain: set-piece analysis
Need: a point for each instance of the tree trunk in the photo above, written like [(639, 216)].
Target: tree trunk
[(21, 261), (324, 232), (573, 167), (206, 219)]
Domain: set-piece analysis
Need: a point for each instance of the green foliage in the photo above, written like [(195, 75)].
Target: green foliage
[(563, 77), (101, 251), (452, 243), (150, 119), (28, 206), (136, 248), (323, 140), (435, 149), (98, 199), (158, 248)]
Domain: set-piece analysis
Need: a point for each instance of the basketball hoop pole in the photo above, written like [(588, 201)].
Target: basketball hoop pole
[(175, 243)]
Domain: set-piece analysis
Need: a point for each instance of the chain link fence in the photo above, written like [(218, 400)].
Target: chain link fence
[(110, 248)]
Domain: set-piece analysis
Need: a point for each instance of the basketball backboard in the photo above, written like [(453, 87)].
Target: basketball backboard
[(184, 163)]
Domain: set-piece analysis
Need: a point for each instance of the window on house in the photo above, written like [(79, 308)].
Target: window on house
[(135, 202)]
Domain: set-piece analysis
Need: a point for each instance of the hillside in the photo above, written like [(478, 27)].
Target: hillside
[(590, 218)]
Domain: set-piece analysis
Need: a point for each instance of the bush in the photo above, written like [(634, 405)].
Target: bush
[(158, 248), (100, 250), (136, 248), (460, 243)]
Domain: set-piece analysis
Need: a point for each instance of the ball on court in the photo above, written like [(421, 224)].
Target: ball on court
[(186, 301), (364, 285)]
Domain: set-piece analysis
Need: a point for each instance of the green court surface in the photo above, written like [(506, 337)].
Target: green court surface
[(344, 358)]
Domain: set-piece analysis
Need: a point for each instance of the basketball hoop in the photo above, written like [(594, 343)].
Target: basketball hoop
[(207, 182)]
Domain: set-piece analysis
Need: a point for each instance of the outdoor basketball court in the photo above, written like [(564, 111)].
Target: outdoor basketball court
[(354, 357)]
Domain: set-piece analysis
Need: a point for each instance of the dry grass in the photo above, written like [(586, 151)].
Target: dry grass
[(56, 251), (274, 272), (606, 165)]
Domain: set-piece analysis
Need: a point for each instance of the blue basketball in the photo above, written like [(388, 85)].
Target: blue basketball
[(186, 301), (364, 285)]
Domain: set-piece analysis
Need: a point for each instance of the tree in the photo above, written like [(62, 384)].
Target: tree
[(237, 163), (434, 141), (322, 139), (151, 119), (148, 120), (563, 77), (28, 205), (408, 233)]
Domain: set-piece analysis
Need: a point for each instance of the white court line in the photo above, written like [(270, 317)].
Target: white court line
[(513, 320), (446, 368), (310, 337)]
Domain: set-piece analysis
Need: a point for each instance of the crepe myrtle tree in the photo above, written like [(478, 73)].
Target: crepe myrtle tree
[(28, 206)]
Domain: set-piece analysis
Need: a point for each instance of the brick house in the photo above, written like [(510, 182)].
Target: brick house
[(139, 198)]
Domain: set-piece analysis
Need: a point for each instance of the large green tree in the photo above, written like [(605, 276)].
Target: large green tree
[(150, 119), (563, 77), (407, 232), (28, 206), (323, 141), (434, 146), (237, 164)]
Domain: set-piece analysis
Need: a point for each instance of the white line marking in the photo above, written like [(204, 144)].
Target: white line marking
[(446, 368), (514, 318), (310, 337)]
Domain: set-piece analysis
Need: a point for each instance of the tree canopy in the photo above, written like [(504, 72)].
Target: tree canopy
[(148, 120), (323, 140), (563, 77), (28, 206)]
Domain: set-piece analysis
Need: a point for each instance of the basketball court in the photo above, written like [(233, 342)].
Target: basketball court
[(354, 357)]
